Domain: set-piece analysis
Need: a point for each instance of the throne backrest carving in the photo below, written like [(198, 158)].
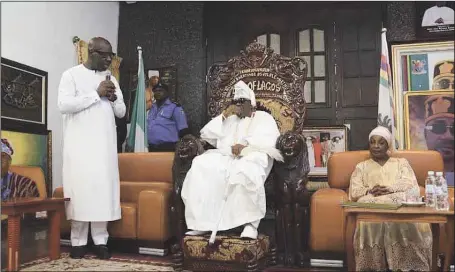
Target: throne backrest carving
[(276, 80)]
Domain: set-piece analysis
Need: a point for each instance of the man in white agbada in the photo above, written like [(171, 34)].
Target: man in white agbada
[(224, 188), (88, 98)]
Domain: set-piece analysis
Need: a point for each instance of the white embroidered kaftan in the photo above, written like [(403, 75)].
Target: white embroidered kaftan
[(90, 162), (217, 170)]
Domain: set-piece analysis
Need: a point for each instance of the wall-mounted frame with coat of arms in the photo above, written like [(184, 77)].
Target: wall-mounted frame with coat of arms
[(420, 67)]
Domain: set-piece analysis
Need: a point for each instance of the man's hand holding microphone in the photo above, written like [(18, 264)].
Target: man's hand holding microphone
[(107, 89)]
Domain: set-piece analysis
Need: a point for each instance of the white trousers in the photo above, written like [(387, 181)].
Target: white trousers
[(79, 233)]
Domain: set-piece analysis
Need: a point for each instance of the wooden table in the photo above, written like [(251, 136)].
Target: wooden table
[(15, 208), (404, 215)]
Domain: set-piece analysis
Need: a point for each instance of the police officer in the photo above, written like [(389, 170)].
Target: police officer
[(166, 121)]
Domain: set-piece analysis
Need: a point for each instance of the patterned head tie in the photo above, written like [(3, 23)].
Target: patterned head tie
[(7, 148)]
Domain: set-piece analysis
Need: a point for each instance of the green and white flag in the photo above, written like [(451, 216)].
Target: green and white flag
[(137, 138)]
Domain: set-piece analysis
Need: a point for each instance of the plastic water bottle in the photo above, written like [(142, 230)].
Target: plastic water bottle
[(429, 189), (441, 192)]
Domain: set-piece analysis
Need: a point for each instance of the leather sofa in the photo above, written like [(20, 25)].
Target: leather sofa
[(145, 189), (327, 221)]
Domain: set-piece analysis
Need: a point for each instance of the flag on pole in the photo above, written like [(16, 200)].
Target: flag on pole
[(137, 138), (386, 110)]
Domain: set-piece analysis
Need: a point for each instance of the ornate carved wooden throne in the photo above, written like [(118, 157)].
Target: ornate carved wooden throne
[(278, 83)]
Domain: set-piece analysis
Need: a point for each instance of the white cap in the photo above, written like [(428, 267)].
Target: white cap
[(438, 174), (153, 73), (241, 90), (431, 173)]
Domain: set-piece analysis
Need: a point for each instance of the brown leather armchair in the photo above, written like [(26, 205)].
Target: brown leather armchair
[(145, 188), (326, 215)]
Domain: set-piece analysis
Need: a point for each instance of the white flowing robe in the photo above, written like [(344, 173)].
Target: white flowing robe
[(216, 171), (90, 162)]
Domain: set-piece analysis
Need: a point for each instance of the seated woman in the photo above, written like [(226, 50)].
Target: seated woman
[(383, 179), (14, 185)]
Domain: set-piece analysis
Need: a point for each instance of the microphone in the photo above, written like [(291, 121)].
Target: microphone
[(108, 76)]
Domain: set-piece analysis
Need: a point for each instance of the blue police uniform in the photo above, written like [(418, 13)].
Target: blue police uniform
[(164, 124)]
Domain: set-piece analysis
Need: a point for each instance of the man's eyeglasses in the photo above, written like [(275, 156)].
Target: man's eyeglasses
[(105, 54), (443, 84), (440, 128), (239, 101)]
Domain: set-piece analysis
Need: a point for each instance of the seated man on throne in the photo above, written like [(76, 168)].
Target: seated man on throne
[(224, 188), (14, 185)]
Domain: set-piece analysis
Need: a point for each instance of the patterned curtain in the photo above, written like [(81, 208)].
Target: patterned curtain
[(82, 54)]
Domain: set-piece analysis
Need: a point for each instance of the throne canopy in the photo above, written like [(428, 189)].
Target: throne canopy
[(276, 80)]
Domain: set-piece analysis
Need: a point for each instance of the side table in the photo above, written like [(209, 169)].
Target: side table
[(14, 209), (403, 214)]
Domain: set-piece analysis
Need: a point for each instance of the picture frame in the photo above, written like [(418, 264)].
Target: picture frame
[(321, 144), (435, 20), (32, 149), (419, 67), (168, 76), (24, 91), (428, 118)]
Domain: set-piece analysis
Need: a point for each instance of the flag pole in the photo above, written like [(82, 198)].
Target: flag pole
[(137, 138)]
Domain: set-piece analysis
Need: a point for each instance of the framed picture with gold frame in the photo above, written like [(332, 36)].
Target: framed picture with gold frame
[(429, 117), (420, 67), (32, 149), (321, 143)]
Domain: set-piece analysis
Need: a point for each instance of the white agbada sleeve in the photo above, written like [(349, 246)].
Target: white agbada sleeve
[(118, 105), (69, 100), (213, 131)]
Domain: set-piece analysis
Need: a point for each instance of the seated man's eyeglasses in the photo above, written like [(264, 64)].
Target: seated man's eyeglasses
[(239, 101), (440, 128)]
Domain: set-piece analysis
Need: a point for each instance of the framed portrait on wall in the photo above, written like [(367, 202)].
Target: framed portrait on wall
[(24, 97), (435, 19), (32, 149), (420, 67), (321, 143), (429, 117)]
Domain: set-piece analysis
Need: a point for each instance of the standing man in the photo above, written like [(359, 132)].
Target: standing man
[(89, 99), (154, 77), (166, 121)]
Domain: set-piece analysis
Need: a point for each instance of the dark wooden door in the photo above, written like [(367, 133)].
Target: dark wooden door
[(357, 50), (340, 41)]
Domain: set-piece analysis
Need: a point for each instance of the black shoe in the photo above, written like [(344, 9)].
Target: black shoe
[(102, 252), (78, 252)]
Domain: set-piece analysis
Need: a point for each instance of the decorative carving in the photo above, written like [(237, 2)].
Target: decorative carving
[(278, 83), (292, 199), (186, 150), (271, 76)]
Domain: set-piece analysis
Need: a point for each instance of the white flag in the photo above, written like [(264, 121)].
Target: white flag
[(386, 110)]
